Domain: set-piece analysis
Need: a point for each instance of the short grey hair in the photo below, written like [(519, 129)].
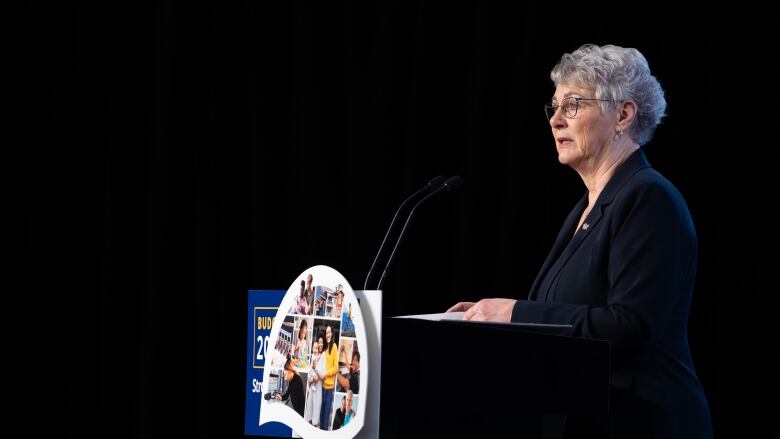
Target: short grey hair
[(617, 74)]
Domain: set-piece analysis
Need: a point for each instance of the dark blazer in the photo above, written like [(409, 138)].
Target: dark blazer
[(627, 276)]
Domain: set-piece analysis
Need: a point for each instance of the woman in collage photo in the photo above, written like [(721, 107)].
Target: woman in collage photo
[(331, 369)]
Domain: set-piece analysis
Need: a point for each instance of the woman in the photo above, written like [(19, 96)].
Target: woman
[(309, 286), (329, 380), (314, 396), (295, 392), (623, 265)]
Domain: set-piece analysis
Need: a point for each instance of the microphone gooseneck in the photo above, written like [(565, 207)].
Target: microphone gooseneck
[(451, 184), (434, 184)]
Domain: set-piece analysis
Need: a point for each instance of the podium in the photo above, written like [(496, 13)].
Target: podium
[(467, 379)]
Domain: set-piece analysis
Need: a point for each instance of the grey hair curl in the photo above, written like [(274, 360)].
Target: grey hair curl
[(617, 74)]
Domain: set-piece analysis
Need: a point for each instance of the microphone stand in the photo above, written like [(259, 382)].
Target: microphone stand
[(451, 184), (435, 183)]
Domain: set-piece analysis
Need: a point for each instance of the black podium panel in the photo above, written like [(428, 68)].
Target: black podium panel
[(463, 379)]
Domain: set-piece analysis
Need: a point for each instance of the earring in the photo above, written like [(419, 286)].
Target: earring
[(618, 135)]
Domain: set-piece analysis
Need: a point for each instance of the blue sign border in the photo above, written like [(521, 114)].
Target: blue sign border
[(263, 305)]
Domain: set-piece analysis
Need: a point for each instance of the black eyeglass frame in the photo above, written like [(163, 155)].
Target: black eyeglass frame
[(549, 110)]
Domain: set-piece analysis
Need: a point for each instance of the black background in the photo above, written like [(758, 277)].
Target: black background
[(162, 159)]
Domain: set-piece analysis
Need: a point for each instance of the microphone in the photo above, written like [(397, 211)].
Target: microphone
[(435, 183), (450, 185)]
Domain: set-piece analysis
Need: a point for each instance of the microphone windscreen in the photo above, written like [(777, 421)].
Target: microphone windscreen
[(435, 182), (453, 183)]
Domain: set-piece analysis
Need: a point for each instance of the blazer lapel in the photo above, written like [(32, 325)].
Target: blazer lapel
[(568, 244), (589, 224), (560, 243)]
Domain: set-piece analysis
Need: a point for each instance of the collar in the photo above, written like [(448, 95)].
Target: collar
[(633, 164)]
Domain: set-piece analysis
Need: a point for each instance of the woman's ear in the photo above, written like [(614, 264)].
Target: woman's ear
[(626, 113)]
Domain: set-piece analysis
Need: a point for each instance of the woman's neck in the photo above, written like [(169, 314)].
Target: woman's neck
[(597, 175)]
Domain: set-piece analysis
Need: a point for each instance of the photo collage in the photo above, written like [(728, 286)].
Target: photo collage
[(315, 364)]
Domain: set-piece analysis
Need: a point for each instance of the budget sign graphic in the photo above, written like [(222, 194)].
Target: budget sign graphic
[(314, 361)]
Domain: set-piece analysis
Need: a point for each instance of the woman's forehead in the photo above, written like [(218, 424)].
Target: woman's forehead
[(565, 90)]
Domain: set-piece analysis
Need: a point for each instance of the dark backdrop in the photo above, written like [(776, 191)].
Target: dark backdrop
[(162, 159)]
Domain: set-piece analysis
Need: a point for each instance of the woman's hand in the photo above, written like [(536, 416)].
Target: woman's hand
[(461, 306), (487, 310)]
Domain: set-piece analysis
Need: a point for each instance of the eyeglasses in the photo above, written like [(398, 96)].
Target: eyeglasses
[(569, 106)]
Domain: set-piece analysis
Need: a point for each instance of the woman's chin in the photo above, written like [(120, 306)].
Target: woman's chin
[(567, 156), (564, 157)]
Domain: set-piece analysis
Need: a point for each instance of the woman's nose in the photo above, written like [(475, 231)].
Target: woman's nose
[(557, 120)]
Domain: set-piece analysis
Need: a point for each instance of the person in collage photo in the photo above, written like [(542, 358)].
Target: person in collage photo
[(331, 369), (314, 389)]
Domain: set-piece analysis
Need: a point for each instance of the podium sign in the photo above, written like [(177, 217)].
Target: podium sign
[(309, 359)]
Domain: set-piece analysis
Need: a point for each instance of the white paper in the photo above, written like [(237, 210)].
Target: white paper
[(435, 317), (459, 316)]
